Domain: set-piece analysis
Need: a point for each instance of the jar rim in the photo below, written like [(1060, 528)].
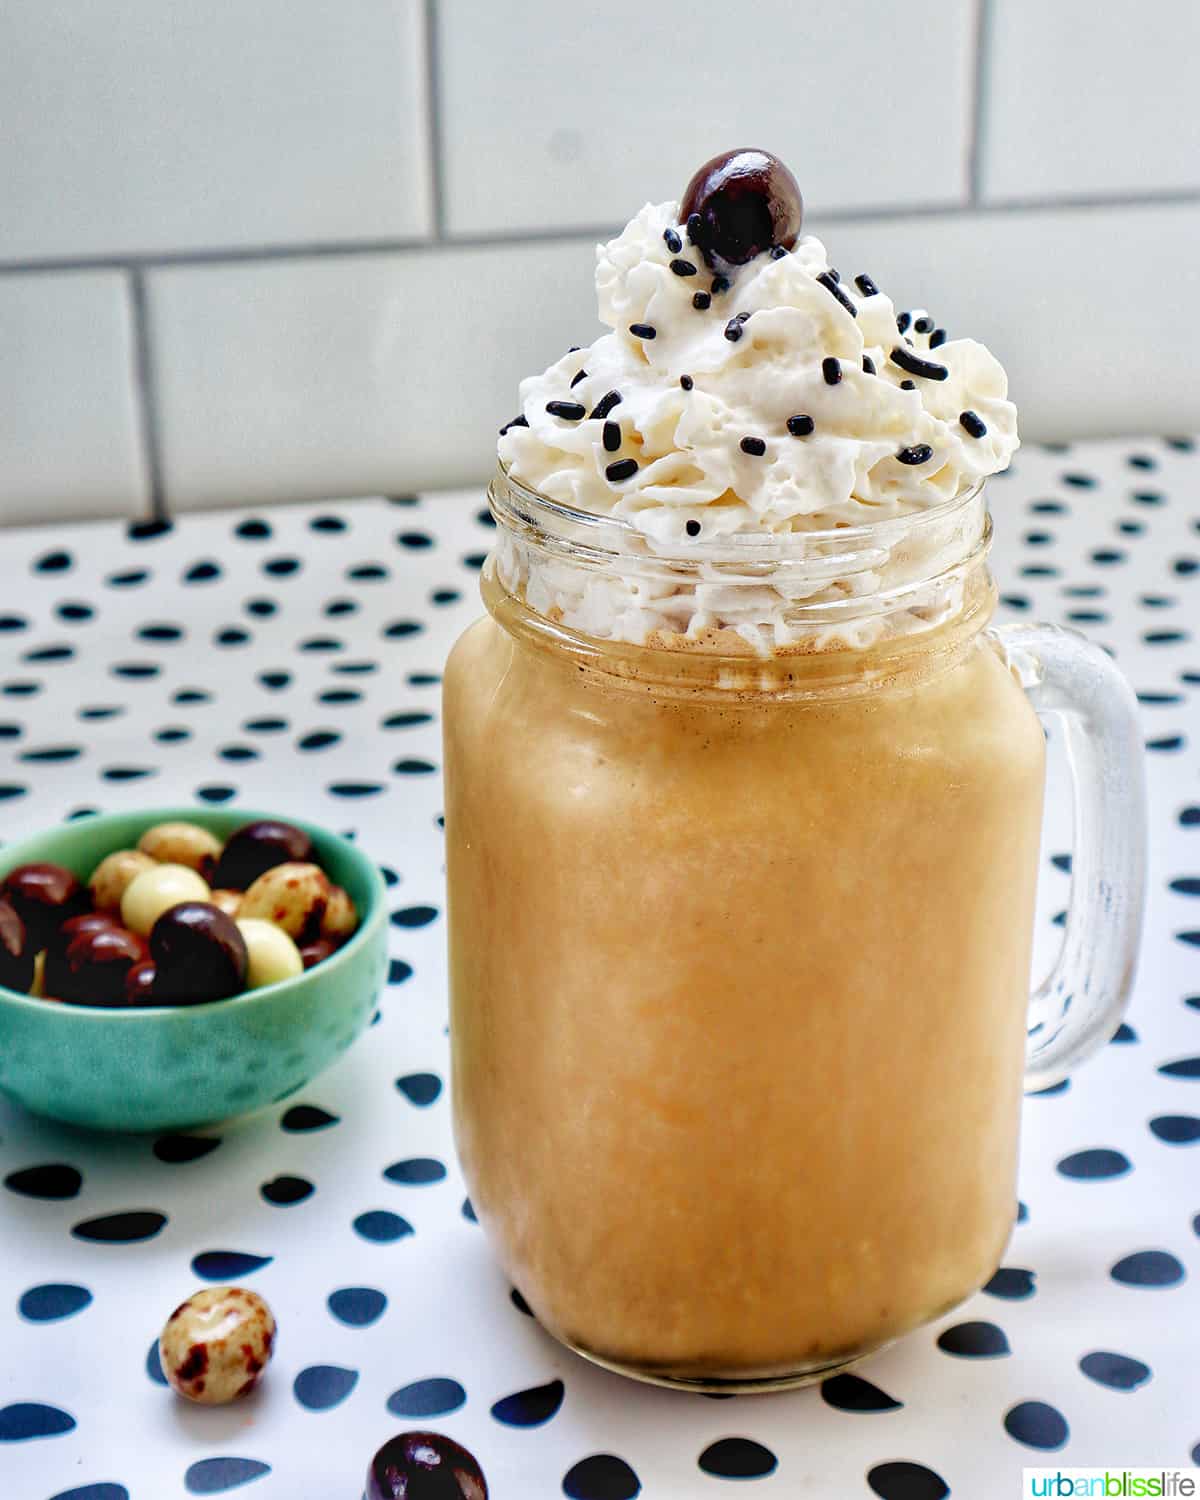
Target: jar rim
[(512, 500)]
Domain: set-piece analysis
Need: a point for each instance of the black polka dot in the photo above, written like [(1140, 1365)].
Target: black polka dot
[(212, 1476), (1141, 461), (423, 679), (268, 725), (122, 1228), (1176, 1130), (1148, 1268), (23, 689), (339, 695), (1108, 556), (321, 1387), (1117, 1371), (420, 1088), (468, 1211), (184, 1148), (74, 613), (317, 644), (390, 877), (1096, 1163), (415, 1171), (445, 596), (354, 668), (319, 739), (405, 720), (738, 1458), (50, 755), (406, 500), (1124, 1034), (284, 1191), (1182, 1067), (127, 773), (58, 652), (10, 790), (474, 560), (227, 1265), (1164, 637), (253, 530), (414, 916), (902, 1480), (336, 608), (94, 1492), (191, 695), (520, 1303), (974, 1340), (53, 1301), (601, 1476), (216, 794), (82, 812), (398, 629), (130, 578), (12, 623), (238, 752), (11, 731), (1079, 481), (274, 681), (381, 1227), (148, 531), (368, 573), (135, 670), (205, 571), (852, 1393), (1186, 566), (281, 567), (1013, 1283), (433, 1397), (260, 608), (232, 635), (355, 788), (530, 1408), (413, 767), (416, 540), (302, 1117), (398, 971), (1166, 743), (1036, 1425), (51, 1180), (327, 524), (160, 633), (357, 1306), (53, 562), (31, 1419)]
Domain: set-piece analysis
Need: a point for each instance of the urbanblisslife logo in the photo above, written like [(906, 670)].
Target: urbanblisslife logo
[(1121, 1484)]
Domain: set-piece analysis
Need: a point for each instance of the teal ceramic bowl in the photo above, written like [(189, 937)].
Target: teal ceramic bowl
[(169, 1067)]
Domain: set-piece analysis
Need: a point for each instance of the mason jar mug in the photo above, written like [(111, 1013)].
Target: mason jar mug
[(740, 927)]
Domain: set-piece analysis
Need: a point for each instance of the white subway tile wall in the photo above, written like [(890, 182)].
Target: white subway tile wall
[(272, 249)]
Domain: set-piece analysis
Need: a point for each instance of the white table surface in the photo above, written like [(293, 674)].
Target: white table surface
[(304, 673)]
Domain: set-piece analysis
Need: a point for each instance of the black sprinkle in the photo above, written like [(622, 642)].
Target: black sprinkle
[(829, 282), (516, 422), (866, 286), (643, 330), (754, 446), (683, 268), (719, 284), (919, 453), (612, 436), (701, 301), (570, 411), (674, 243), (908, 385), (624, 468), (733, 329), (902, 322), (778, 252), (693, 228), (915, 365), (832, 370), (692, 528), (800, 426), (923, 325), (581, 376), (937, 338), (686, 382), (972, 424), (605, 405), (868, 365)]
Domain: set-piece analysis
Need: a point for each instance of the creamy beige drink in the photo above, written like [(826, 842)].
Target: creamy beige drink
[(739, 993), (742, 816)]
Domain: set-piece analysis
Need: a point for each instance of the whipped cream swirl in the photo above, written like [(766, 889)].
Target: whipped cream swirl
[(774, 399)]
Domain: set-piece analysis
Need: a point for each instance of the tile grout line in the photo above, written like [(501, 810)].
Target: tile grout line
[(433, 121), (322, 249), (980, 76), (143, 373)]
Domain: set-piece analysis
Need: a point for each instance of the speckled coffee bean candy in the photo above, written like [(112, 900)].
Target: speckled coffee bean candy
[(341, 918), (292, 895), (183, 844), (216, 1345), (114, 874)]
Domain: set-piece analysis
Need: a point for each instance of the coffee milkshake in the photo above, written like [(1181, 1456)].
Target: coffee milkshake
[(743, 815)]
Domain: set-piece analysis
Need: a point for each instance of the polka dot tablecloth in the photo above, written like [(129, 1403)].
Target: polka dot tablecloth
[(290, 660)]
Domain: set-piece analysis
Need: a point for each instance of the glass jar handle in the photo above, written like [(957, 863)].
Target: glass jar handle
[(1078, 1006)]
